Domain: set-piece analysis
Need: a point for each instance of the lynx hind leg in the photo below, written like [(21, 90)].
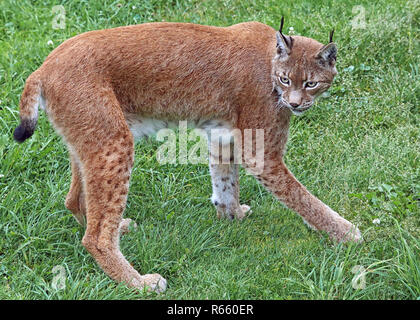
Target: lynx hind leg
[(107, 174), (75, 200), (104, 147)]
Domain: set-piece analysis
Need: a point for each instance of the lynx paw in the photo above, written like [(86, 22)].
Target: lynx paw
[(125, 224), (353, 235), (348, 232), (238, 214), (153, 282), (245, 208), (241, 213), (344, 231)]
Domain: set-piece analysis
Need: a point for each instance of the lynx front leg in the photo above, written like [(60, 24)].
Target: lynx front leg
[(281, 182), (225, 182)]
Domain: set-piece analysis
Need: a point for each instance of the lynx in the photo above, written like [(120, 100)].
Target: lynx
[(103, 89)]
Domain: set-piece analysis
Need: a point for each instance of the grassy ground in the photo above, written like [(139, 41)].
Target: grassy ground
[(357, 150)]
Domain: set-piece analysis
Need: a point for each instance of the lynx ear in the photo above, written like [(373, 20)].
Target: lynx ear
[(327, 55), (284, 43)]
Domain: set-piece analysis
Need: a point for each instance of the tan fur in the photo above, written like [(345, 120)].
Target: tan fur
[(96, 84)]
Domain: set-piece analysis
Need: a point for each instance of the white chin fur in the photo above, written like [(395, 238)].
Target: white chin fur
[(296, 112)]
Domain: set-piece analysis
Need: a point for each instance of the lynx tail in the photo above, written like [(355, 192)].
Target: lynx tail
[(28, 108)]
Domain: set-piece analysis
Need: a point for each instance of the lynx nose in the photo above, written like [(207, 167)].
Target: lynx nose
[(294, 105)]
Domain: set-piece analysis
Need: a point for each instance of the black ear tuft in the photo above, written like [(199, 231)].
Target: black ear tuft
[(331, 35), (284, 43), (281, 25)]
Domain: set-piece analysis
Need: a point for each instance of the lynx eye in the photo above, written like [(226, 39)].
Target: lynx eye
[(284, 80), (311, 84)]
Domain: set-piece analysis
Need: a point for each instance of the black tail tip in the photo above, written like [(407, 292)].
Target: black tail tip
[(22, 133)]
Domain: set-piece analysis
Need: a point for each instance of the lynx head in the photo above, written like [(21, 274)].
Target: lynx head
[(303, 68)]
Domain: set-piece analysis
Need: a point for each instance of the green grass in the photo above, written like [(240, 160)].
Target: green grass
[(357, 150)]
